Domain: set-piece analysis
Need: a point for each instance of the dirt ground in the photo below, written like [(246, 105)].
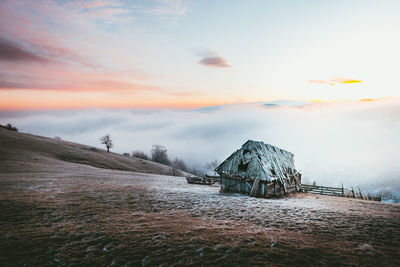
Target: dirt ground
[(57, 213)]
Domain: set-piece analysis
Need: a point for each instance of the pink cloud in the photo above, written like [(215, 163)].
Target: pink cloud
[(12, 52), (211, 59), (28, 28), (218, 62), (109, 11), (57, 77), (46, 45)]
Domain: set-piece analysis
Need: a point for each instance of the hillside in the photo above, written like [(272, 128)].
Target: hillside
[(21, 152), (56, 211)]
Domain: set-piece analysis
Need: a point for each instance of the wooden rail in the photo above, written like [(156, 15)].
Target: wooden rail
[(205, 179), (337, 191)]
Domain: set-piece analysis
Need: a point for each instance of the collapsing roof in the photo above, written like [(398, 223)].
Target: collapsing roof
[(255, 159)]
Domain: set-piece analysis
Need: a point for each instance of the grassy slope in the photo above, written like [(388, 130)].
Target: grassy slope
[(26, 150), (54, 212)]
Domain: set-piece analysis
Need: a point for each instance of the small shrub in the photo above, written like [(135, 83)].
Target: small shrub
[(9, 127), (139, 154)]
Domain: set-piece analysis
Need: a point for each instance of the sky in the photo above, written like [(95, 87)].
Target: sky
[(180, 54)]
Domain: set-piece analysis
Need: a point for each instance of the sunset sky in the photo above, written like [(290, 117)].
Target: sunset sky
[(185, 54)]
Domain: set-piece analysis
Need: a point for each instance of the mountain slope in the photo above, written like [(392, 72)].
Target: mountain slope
[(21, 152)]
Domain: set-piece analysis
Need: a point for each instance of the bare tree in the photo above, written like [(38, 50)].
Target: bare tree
[(159, 154), (179, 164), (195, 171), (106, 140), (212, 164)]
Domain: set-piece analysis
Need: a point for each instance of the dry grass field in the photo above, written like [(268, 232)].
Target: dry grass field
[(64, 204), (19, 149)]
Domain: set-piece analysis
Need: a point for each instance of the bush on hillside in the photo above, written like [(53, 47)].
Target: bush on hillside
[(9, 127), (159, 154), (139, 154)]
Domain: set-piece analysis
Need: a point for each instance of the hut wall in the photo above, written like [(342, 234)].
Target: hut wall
[(235, 186), (266, 189), (278, 191)]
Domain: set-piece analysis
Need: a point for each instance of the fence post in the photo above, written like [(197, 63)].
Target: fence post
[(361, 195)]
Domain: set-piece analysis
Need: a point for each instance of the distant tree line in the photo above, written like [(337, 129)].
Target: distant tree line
[(159, 154), (9, 127)]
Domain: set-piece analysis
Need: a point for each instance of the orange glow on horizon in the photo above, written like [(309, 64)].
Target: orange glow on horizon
[(63, 100), (14, 100), (56, 106)]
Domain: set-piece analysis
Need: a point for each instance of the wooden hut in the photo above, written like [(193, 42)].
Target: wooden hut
[(259, 170)]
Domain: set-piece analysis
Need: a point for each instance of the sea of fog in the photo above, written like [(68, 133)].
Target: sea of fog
[(351, 143)]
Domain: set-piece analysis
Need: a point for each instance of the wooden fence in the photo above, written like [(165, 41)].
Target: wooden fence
[(338, 191), (205, 179)]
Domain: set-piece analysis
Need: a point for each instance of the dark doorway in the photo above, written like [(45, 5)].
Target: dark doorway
[(243, 167)]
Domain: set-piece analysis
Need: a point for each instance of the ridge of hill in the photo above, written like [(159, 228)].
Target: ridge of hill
[(21, 152)]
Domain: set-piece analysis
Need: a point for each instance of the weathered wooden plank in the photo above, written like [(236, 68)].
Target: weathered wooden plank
[(297, 184), (283, 185), (255, 188), (361, 195)]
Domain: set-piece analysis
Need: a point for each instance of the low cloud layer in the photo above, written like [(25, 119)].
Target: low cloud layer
[(351, 143)]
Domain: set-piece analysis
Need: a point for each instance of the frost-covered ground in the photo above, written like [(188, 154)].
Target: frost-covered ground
[(72, 214)]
